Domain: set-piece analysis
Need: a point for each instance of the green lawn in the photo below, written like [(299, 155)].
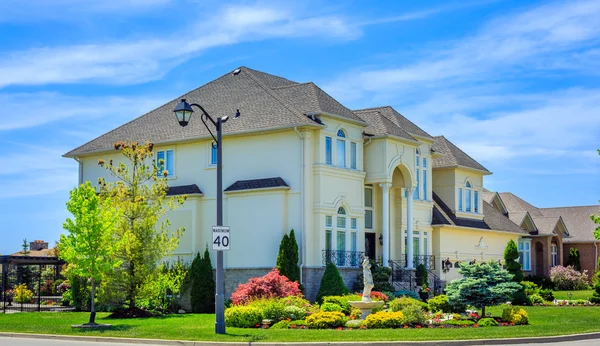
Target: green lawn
[(544, 321), (562, 295)]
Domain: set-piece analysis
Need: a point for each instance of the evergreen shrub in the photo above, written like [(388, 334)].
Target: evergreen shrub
[(332, 283)]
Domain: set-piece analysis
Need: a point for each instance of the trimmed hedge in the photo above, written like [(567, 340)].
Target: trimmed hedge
[(324, 320), (384, 319)]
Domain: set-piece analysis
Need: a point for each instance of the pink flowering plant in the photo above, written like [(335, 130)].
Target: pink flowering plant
[(567, 278)]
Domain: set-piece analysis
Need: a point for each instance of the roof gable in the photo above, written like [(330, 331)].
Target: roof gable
[(516, 204), (380, 125), (577, 221), (399, 121), (453, 156)]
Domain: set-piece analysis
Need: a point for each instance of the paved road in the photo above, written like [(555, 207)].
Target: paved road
[(41, 342)]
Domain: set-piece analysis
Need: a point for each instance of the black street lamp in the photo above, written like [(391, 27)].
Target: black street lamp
[(184, 111)]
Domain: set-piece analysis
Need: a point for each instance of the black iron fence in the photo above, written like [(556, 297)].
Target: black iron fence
[(28, 288), (352, 259), (427, 260)]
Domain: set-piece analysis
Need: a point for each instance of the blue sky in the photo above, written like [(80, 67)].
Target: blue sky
[(513, 83)]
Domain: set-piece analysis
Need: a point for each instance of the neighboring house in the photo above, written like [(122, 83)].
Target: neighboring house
[(349, 182), (37, 248), (552, 233)]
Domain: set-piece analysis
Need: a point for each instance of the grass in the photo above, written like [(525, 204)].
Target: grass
[(544, 321), (563, 295)]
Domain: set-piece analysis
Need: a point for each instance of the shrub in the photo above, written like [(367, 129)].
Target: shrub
[(297, 301), (272, 285), (284, 324), (580, 302), (439, 303), (384, 319), (243, 317), (520, 298), (271, 309), (47, 288), (202, 294), (376, 296), (458, 322), (540, 280), (511, 257), (595, 298), (399, 304), (23, 294), (323, 320), (355, 313), (8, 296), (355, 323), (332, 283), (530, 287), (414, 314), (421, 275), (574, 259), (406, 293), (536, 299), (515, 315), (342, 301), (294, 313), (331, 307), (547, 295), (567, 278), (487, 322)]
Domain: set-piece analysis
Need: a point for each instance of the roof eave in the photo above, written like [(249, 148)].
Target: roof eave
[(481, 229), (340, 117), (406, 140)]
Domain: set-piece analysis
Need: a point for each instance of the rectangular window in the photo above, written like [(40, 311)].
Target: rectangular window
[(368, 208), (524, 248), (328, 152), (353, 155), (417, 188), (476, 201), (554, 255), (425, 184), (341, 222), (213, 154), (424, 163), (341, 153), (354, 257), (328, 221), (460, 199), (341, 247), (425, 245), (165, 159), (353, 223), (468, 199), (328, 249)]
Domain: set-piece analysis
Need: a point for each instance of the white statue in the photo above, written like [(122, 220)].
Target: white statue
[(368, 280)]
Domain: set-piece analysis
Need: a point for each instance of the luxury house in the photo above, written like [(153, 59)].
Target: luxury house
[(349, 182)]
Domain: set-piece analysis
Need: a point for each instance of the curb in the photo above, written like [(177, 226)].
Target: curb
[(506, 341)]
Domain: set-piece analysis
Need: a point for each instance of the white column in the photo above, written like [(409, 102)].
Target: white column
[(385, 189), (409, 228)]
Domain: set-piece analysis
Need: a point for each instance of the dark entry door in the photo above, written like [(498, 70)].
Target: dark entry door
[(370, 245)]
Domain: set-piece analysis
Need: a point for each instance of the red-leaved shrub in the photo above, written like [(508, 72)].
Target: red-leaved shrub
[(272, 285), (377, 296)]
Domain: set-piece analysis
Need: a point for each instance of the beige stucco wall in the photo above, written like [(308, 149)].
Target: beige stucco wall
[(446, 182), (462, 244)]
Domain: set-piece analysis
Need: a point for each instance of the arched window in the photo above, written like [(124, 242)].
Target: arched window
[(341, 148), (341, 211), (468, 196)]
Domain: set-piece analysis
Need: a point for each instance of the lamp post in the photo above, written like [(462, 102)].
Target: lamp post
[(183, 112)]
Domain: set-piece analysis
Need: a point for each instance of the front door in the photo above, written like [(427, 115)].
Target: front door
[(370, 245)]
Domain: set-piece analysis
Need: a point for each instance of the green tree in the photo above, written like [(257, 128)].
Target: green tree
[(596, 219), (25, 248), (140, 194), (90, 244), (332, 283), (203, 284), (482, 284), (574, 259), (287, 259), (511, 261)]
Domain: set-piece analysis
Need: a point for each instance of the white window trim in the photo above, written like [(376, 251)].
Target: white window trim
[(346, 149), (171, 175), (332, 151), (554, 254), (522, 243)]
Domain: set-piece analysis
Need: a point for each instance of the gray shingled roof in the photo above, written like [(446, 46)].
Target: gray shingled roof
[(396, 118), (577, 220), (249, 91), (492, 218), (515, 204), (452, 156), (380, 125), (308, 97), (257, 184), (192, 189)]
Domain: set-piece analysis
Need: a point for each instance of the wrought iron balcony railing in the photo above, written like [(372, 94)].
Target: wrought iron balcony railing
[(427, 260), (352, 259)]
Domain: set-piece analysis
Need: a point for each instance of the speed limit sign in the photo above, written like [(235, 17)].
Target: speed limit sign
[(221, 240)]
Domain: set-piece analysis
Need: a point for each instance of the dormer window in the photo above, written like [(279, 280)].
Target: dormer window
[(341, 148)]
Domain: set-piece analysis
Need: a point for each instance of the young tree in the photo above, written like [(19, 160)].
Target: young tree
[(287, 259), (25, 248), (140, 195), (574, 259), (203, 284), (332, 283), (90, 243), (482, 284), (511, 261)]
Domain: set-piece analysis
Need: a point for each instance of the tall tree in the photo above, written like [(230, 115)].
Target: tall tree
[(482, 284), (203, 284), (90, 244), (140, 194), (25, 248), (596, 219), (287, 259), (511, 261)]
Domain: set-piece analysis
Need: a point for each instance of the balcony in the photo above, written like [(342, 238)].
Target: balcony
[(427, 260), (348, 259)]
